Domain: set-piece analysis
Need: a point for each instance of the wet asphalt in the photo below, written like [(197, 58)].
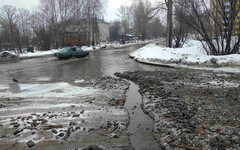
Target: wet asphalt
[(98, 64)]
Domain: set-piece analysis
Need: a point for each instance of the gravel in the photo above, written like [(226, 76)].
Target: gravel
[(191, 110)]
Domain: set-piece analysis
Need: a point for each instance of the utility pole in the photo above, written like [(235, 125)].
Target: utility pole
[(169, 23)]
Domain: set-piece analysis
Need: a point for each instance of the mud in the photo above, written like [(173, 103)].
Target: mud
[(191, 110), (87, 121)]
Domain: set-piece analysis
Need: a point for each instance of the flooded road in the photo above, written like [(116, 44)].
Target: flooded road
[(50, 71), (98, 64)]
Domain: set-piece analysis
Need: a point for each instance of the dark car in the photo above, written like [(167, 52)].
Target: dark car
[(69, 52)]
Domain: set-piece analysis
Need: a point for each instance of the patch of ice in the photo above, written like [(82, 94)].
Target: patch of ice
[(57, 90), (42, 79), (79, 81)]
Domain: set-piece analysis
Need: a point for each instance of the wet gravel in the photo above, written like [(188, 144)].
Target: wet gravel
[(95, 121), (191, 110)]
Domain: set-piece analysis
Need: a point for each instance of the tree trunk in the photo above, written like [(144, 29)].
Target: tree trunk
[(169, 23)]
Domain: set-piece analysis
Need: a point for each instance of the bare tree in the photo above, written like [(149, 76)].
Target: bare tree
[(8, 21), (115, 30), (142, 15), (124, 15), (215, 24), (180, 29), (156, 28), (42, 36), (169, 4)]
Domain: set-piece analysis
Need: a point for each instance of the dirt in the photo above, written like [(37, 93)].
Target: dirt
[(191, 110), (96, 121)]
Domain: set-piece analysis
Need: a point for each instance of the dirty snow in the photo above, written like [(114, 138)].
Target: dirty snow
[(191, 55), (54, 90), (38, 53)]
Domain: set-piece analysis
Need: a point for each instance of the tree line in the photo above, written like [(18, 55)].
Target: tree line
[(45, 27), (216, 23)]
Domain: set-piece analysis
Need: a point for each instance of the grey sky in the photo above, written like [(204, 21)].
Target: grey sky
[(110, 13)]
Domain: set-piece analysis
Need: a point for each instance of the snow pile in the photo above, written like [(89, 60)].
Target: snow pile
[(8, 54), (38, 53), (192, 54)]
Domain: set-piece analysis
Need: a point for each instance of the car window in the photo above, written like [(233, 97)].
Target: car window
[(66, 49), (79, 49), (73, 49)]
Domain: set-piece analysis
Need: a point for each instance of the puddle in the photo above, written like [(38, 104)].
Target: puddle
[(141, 125)]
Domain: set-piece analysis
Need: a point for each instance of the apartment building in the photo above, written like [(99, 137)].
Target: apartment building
[(216, 9)]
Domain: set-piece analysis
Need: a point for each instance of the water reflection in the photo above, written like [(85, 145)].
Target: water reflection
[(98, 64)]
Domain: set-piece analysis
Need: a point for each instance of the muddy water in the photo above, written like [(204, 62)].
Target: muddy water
[(141, 125)]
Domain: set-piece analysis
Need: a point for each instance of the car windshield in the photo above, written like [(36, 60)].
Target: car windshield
[(79, 48), (66, 49)]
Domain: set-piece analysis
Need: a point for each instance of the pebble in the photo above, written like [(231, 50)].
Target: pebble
[(30, 143), (182, 104), (72, 124), (76, 115), (61, 134)]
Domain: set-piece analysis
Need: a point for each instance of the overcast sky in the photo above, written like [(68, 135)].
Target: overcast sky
[(110, 13)]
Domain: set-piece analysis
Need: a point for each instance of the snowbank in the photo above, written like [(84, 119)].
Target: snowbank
[(112, 45), (192, 55), (38, 53)]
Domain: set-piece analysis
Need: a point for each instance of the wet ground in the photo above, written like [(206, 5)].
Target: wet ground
[(66, 104), (58, 104), (141, 125), (191, 110)]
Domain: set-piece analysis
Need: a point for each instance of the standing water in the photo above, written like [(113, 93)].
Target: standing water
[(141, 125)]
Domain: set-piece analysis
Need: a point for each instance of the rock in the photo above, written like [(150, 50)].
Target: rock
[(77, 128), (76, 115), (61, 134), (44, 121), (91, 129), (15, 124), (3, 136), (30, 143), (34, 124), (82, 112), (52, 127), (72, 124), (18, 131), (29, 117), (54, 131), (168, 140), (115, 136)]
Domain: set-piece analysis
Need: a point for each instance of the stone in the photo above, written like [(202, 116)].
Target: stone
[(76, 115), (82, 112), (91, 129), (52, 127), (61, 134), (54, 131), (72, 124), (30, 143)]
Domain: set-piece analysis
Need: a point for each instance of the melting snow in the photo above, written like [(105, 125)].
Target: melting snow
[(191, 55), (57, 90)]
